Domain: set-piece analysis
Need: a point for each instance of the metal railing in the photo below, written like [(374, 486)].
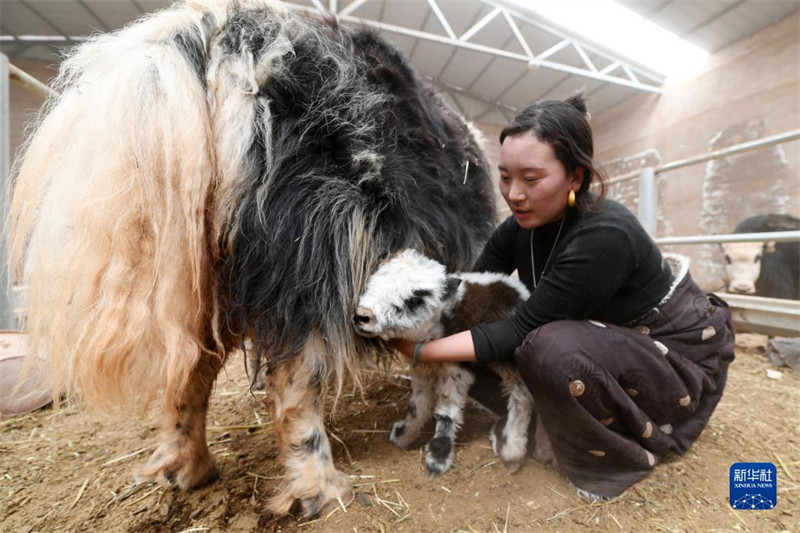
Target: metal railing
[(6, 306), (8, 71), (29, 82), (751, 313)]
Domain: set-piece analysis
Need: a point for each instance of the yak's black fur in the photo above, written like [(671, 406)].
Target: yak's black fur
[(358, 143)]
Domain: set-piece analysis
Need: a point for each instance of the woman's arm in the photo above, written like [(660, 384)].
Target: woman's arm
[(457, 347)]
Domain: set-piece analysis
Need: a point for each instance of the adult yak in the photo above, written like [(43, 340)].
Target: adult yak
[(217, 172)]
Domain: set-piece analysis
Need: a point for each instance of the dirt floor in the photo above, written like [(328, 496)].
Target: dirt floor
[(68, 470)]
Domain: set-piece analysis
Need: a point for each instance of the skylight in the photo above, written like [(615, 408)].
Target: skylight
[(620, 29)]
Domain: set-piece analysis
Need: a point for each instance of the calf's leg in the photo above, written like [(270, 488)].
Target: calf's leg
[(452, 386), (420, 407), (512, 442)]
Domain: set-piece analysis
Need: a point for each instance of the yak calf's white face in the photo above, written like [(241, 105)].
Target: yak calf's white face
[(743, 265), (404, 299)]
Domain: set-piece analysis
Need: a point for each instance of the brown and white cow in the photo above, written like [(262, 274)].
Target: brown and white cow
[(764, 268)]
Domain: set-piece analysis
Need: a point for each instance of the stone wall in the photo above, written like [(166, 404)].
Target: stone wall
[(747, 91)]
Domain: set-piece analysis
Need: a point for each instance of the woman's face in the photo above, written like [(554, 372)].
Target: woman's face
[(533, 182)]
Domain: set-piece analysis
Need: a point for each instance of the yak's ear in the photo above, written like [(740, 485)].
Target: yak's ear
[(450, 286), (769, 247)]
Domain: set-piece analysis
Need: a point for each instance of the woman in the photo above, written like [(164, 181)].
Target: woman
[(626, 359)]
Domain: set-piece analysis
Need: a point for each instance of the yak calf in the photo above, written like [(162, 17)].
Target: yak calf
[(410, 296)]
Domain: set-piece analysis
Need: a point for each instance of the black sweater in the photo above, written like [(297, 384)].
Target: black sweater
[(604, 267)]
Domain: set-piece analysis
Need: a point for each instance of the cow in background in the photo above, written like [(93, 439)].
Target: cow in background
[(764, 268)]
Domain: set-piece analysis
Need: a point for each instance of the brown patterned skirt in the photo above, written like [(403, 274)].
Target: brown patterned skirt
[(613, 399), (616, 399)]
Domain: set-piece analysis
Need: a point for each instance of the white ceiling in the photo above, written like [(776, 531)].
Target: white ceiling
[(712, 24), (490, 57)]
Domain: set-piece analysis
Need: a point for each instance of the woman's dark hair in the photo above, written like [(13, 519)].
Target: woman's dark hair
[(565, 127)]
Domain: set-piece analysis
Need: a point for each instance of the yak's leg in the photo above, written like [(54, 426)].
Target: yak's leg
[(420, 407), (452, 388), (183, 459), (295, 391)]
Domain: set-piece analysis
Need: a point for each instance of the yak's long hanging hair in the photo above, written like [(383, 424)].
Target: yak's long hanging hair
[(219, 171), (108, 215)]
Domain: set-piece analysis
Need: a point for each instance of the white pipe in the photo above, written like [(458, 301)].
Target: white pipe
[(764, 142), (6, 305), (648, 201), (772, 236)]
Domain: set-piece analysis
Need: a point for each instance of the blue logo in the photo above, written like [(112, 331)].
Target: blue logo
[(753, 486)]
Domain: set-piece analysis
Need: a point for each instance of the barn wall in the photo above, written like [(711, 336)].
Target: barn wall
[(746, 91)]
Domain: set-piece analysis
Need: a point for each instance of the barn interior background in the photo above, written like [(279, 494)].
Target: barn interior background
[(490, 58)]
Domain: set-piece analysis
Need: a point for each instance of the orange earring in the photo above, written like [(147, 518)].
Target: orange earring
[(571, 198)]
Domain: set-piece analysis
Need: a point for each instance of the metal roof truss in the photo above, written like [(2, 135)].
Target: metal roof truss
[(617, 71)]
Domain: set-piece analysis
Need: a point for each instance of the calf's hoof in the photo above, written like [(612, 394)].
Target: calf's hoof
[(400, 437), (440, 456), (512, 465)]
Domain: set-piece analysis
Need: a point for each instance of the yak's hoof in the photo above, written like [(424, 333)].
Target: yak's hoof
[(179, 463), (315, 501)]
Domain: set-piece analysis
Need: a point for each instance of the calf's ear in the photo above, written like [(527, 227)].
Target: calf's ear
[(769, 247), (450, 286)]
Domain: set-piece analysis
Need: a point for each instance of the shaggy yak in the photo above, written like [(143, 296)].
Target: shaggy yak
[(412, 297), (220, 172)]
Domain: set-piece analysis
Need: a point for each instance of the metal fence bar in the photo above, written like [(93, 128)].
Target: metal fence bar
[(763, 315), (724, 152), (6, 305), (648, 200), (770, 316), (764, 142), (773, 236), (22, 77)]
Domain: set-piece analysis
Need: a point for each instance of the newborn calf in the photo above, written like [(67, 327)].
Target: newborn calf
[(411, 297)]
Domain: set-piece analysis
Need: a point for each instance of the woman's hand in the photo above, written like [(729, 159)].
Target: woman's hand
[(454, 348)]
